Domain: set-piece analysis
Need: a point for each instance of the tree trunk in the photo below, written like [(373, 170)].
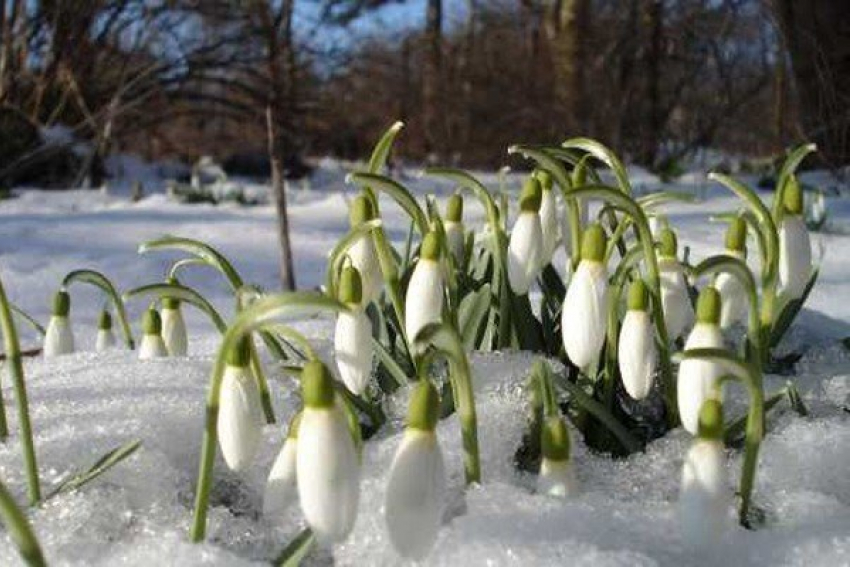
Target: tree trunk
[(431, 79), (276, 160), (567, 27), (654, 21), (817, 33)]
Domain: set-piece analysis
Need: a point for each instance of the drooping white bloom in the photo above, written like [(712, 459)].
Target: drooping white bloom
[(417, 479), (548, 223), (282, 483), (585, 309), (240, 416), (703, 499), (105, 336), (59, 337), (637, 354), (795, 256), (675, 301), (697, 380), (424, 300), (353, 335), (525, 252), (362, 252), (415, 493), (327, 466), (174, 330)]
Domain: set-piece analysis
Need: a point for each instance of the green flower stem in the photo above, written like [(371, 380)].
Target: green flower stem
[(19, 530), (397, 191), (739, 270), (339, 253), (750, 374), (204, 253), (628, 206), (543, 373), (606, 156), (16, 371), (28, 318), (99, 280), (611, 343), (175, 268), (183, 293), (653, 200), (257, 316), (794, 159), (445, 339)]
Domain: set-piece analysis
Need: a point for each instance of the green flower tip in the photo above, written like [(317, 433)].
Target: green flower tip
[(638, 296), (240, 355), (593, 243), (105, 321), (555, 439), (708, 306), (669, 243), (317, 385), (430, 249), (171, 302), (454, 208), (792, 200), (151, 322), (294, 425), (710, 420), (350, 286), (545, 179), (736, 235), (61, 304), (361, 210), (531, 196), (424, 409)]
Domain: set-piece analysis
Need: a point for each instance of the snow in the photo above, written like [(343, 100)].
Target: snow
[(140, 512)]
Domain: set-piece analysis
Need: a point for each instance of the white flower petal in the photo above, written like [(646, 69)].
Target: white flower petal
[(584, 313), (59, 338), (282, 484), (525, 252), (328, 473), (637, 353), (557, 478), (424, 300), (455, 240), (174, 332), (703, 500), (549, 225), (105, 340), (364, 257), (415, 494), (675, 301), (733, 304), (795, 256), (240, 417), (353, 348), (696, 382), (152, 346)]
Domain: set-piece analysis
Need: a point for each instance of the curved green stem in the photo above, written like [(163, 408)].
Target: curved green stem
[(606, 156), (16, 372), (204, 252), (794, 159), (397, 191), (19, 530), (255, 317), (99, 280), (184, 294), (338, 253), (182, 263)]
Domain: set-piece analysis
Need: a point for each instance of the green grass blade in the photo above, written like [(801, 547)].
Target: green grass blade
[(19, 530), (100, 466)]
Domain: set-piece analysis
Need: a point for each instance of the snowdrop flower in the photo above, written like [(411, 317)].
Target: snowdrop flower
[(795, 249), (818, 209), (282, 484), (548, 217), (59, 338), (240, 413), (455, 234), (362, 253), (174, 328), (636, 351), (675, 301), (152, 345), (353, 335), (327, 465), (557, 477), (698, 378), (703, 501), (424, 300), (583, 317), (525, 250), (105, 336), (733, 295), (417, 478)]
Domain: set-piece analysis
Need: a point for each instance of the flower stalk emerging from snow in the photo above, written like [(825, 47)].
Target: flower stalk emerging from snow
[(282, 484), (732, 291), (417, 478), (105, 335), (174, 327), (240, 416), (59, 338), (557, 477), (702, 498), (526, 248), (586, 302), (637, 354), (152, 345), (795, 249), (675, 301), (353, 335), (327, 465), (455, 232), (698, 379), (424, 300), (362, 253)]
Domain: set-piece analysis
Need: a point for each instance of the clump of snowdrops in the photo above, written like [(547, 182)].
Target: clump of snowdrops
[(634, 339)]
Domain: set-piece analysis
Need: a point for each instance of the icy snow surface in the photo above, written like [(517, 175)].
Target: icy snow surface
[(139, 513)]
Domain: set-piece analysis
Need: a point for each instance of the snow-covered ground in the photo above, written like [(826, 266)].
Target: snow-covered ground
[(139, 513)]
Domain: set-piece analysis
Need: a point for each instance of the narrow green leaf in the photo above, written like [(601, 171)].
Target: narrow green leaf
[(393, 368), (659, 198), (26, 317), (381, 151), (100, 466), (297, 550), (472, 313), (19, 530), (790, 311)]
